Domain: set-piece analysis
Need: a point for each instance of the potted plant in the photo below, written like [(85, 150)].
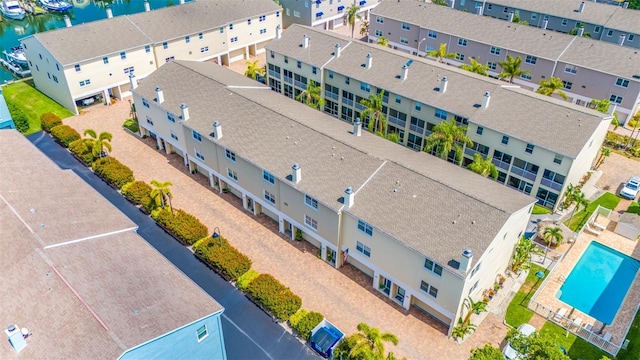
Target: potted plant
[(496, 287), (501, 280), (492, 293)]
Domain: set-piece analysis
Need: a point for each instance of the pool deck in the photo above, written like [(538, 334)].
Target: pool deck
[(624, 317)]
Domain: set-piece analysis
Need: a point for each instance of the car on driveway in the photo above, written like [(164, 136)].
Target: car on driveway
[(511, 353), (630, 189)]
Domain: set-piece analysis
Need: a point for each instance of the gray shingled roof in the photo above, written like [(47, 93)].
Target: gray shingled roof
[(273, 132), (105, 271), (603, 56)]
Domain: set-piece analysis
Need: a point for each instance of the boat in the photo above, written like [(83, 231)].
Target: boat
[(16, 55), (11, 10), (56, 5)]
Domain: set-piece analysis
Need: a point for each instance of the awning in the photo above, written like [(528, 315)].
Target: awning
[(362, 2), (340, 8), (318, 14), (318, 1)]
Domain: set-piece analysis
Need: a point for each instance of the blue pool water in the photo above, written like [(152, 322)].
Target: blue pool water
[(599, 282)]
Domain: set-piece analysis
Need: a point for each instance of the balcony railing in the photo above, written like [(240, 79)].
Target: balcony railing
[(524, 173), (347, 101), (274, 74), (416, 128), (331, 95), (551, 184), (501, 164), (397, 121), (360, 107), (288, 79), (300, 84)]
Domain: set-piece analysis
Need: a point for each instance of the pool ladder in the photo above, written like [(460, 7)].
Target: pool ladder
[(562, 278)]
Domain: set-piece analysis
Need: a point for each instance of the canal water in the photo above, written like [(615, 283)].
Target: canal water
[(83, 11)]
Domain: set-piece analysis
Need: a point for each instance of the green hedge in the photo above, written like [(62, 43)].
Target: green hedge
[(245, 279), (81, 149), (182, 224), (49, 121), (303, 322), (112, 170), (132, 125), (274, 296), (19, 118), (225, 259), (139, 192), (65, 134)]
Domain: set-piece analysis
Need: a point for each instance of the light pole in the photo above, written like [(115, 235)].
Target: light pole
[(216, 234), (423, 39)]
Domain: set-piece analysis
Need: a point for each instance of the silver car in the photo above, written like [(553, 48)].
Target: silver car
[(630, 189)]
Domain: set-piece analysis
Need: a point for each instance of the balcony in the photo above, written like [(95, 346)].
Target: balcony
[(300, 84), (470, 152), (501, 164), (524, 173), (347, 101), (551, 184), (394, 120), (328, 94), (288, 79), (360, 107), (416, 128), (274, 74)]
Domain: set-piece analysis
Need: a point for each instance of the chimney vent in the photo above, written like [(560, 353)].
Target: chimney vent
[(581, 8), (133, 81), (278, 32), (480, 11), (217, 130), (443, 84), (466, 259), (159, 95), (580, 31), (336, 51), (296, 174), (405, 72), (181, 2), (453, 4), (485, 99), (305, 41), (184, 110), (545, 23), (368, 61), (348, 197), (16, 339), (67, 21), (109, 12), (146, 6), (625, 5), (511, 16), (621, 42), (357, 127)]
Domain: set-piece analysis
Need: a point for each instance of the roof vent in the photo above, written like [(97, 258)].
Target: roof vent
[(16, 338), (485, 99), (625, 5), (184, 111), (545, 22), (511, 16), (278, 31), (336, 51), (357, 127), (453, 4), (217, 130), (405, 72), (368, 61), (159, 95), (580, 31), (466, 259), (348, 197), (296, 174), (109, 12), (581, 8), (443, 84), (67, 21), (305, 41), (621, 42), (133, 81), (146, 6)]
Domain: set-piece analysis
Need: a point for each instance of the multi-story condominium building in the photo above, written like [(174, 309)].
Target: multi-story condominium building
[(323, 14), (80, 282), (427, 232), (583, 64), (615, 24), (95, 59), (539, 144)]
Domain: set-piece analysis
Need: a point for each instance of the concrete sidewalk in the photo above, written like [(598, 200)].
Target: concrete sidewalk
[(322, 288)]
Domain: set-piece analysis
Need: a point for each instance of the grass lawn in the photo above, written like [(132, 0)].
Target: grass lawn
[(633, 350), (517, 312), (577, 348), (607, 200), (33, 103), (634, 208), (540, 210)]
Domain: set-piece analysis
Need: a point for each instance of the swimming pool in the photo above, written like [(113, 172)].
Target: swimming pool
[(599, 282)]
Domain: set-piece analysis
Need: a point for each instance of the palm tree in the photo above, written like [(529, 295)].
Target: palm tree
[(253, 70), (569, 196), (383, 41), (473, 307), (553, 236), (476, 67), (364, 28), (447, 136), (352, 15), (604, 153), (369, 343), (312, 96), (373, 111), (603, 106), (552, 86), (634, 122), (98, 142), (160, 192), (441, 53), (483, 166), (521, 259), (511, 68), (581, 200)]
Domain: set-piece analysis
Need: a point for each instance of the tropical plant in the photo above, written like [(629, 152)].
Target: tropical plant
[(535, 346), (447, 136), (441, 53), (440, 2), (369, 343), (553, 235), (511, 68), (603, 107), (635, 123), (49, 121), (473, 307), (580, 200), (383, 41), (98, 142), (351, 16), (253, 70), (576, 29), (483, 166), (487, 352), (462, 329), (521, 259), (312, 96), (161, 192), (373, 110), (552, 86), (364, 28), (476, 67), (569, 195), (65, 134), (604, 153)]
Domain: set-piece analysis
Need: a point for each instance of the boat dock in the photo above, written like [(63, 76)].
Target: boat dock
[(15, 68), (31, 8)]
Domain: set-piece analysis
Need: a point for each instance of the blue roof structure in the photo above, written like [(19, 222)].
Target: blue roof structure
[(6, 122)]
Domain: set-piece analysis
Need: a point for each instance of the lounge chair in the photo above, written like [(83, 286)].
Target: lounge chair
[(588, 327), (598, 226), (577, 322), (560, 314), (607, 336), (594, 232)]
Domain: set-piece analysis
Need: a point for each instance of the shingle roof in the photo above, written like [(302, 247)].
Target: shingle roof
[(598, 55), (546, 124), (273, 132), (136, 300)]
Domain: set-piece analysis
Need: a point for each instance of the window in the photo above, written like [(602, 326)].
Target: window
[(248, 21), (459, 56), (174, 136), (286, 59), (201, 36), (262, 18), (105, 60), (299, 64), (268, 177), (57, 66), (149, 121), (314, 70), (170, 58), (479, 130), (567, 84), (418, 106), (596, 29), (404, 41), (505, 10), (147, 49), (492, 65), (534, 16), (433, 266), (204, 49), (269, 197), (77, 66), (230, 155), (311, 202), (232, 174), (296, 13), (405, 26), (378, 32), (610, 33), (202, 333), (564, 22), (310, 222), (525, 76), (234, 39), (306, 3), (277, 13), (364, 249), (231, 26), (475, 285), (529, 148), (187, 39), (365, 87), (398, 99), (615, 99), (171, 117), (622, 82), (379, 19), (571, 69), (123, 55), (441, 114), (55, 78), (531, 60), (461, 121), (145, 103), (330, 74), (495, 50), (432, 34), (475, 269), (287, 11), (85, 82), (365, 228), (462, 42), (428, 289), (129, 70), (505, 139), (630, 37), (557, 159), (263, 31), (199, 154), (196, 136), (346, 81), (221, 29)]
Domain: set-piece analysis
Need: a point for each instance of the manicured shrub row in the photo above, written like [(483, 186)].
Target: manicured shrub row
[(132, 125), (245, 279), (19, 118), (49, 121), (182, 224), (275, 297), (223, 257), (112, 170), (139, 192), (82, 149), (65, 134), (304, 321)]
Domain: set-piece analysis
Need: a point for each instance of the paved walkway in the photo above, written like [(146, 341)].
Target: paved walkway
[(344, 300)]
